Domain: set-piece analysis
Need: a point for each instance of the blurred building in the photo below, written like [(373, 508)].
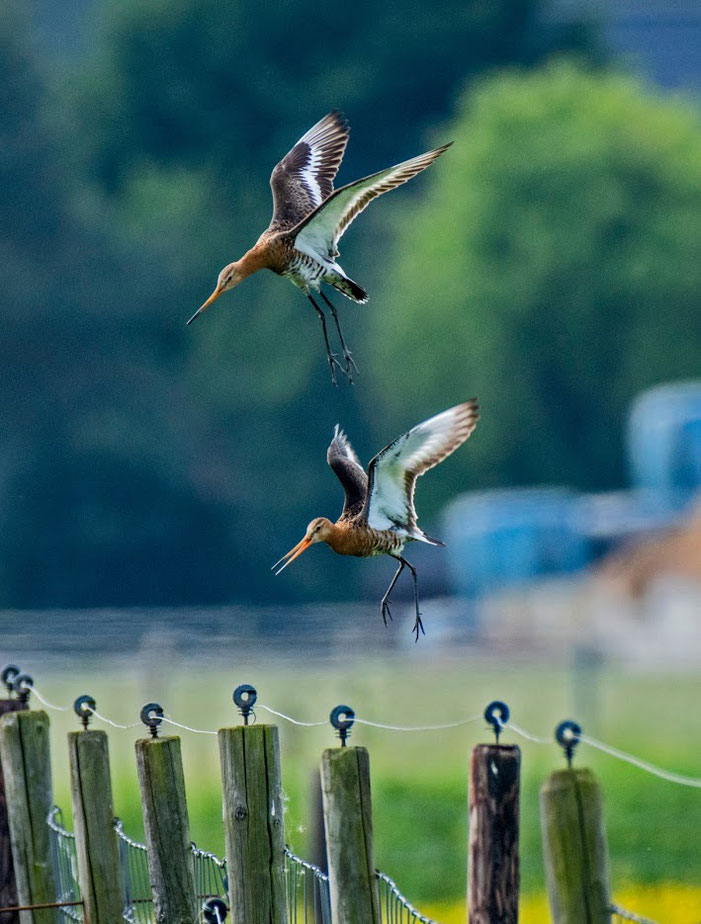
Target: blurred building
[(659, 38), (505, 538)]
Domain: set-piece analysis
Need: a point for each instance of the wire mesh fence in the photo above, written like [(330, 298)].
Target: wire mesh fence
[(136, 883), (308, 900), (622, 914), (210, 877), (394, 907), (65, 863)]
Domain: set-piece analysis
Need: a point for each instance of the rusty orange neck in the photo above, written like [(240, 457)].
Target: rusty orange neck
[(253, 260)]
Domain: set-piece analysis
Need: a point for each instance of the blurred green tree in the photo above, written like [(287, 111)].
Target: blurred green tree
[(554, 269), (92, 503), (138, 172)]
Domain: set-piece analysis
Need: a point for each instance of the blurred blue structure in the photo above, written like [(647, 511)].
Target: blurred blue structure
[(497, 538), (664, 441), (504, 538), (660, 38)]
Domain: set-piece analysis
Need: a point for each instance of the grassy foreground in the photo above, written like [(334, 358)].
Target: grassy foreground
[(419, 779)]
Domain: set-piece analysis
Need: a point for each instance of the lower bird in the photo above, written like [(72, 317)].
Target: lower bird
[(309, 218), (378, 515)]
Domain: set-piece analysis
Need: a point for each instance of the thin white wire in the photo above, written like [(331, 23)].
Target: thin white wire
[(197, 731), (47, 703), (523, 732), (411, 728), (288, 718), (109, 721), (614, 752), (642, 764), (402, 728)]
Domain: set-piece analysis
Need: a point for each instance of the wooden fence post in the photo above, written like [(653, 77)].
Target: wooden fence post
[(26, 762), (493, 862), (574, 848), (253, 823), (169, 850), (345, 786), (317, 848), (93, 822), (8, 888)]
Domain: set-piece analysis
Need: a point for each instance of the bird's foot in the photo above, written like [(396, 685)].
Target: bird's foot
[(418, 628), (386, 613), (350, 365), (333, 363)]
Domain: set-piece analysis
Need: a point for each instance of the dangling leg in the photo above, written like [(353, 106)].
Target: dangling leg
[(347, 355), (384, 605), (329, 355), (418, 625)]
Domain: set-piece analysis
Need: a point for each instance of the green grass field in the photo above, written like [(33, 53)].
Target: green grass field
[(419, 779)]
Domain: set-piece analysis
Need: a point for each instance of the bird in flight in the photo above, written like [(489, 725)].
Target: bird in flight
[(378, 515), (309, 219)]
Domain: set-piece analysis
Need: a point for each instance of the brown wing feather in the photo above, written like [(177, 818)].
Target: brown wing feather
[(304, 177), (349, 471)]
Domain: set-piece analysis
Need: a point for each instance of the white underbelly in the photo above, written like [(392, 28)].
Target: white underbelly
[(305, 272)]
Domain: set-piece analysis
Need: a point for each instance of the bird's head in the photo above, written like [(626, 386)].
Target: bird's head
[(319, 530), (229, 278)]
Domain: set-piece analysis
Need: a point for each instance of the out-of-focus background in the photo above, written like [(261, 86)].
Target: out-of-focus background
[(550, 264)]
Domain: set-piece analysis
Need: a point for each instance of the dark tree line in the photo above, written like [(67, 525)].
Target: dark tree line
[(143, 462)]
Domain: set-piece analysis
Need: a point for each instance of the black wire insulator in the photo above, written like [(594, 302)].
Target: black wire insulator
[(215, 911), (568, 735), (497, 715), (84, 706), (9, 672), (245, 697), (152, 715), (22, 685), (342, 719)]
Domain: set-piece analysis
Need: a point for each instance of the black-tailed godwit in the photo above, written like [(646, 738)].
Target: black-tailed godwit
[(309, 218), (378, 515)]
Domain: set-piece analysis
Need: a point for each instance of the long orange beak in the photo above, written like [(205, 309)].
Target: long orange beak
[(217, 292), (291, 555)]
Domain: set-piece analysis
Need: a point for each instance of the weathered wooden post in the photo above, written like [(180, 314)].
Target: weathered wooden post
[(574, 841), (93, 820), (345, 786), (26, 763), (8, 888), (493, 858), (253, 821), (317, 848), (169, 850)]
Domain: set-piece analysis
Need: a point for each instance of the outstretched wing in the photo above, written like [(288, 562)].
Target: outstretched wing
[(349, 472), (319, 232), (394, 470), (304, 177)]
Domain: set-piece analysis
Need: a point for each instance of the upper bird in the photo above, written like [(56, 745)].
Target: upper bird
[(309, 219), (378, 515)]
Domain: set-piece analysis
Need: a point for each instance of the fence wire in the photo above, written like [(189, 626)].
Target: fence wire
[(65, 863), (210, 877), (622, 914), (394, 907), (136, 882), (308, 899)]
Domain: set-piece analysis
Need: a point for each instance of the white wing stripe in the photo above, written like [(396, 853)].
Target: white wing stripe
[(394, 470), (320, 232)]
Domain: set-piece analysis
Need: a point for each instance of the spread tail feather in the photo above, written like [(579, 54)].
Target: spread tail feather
[(421, 536), (349, 288)]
